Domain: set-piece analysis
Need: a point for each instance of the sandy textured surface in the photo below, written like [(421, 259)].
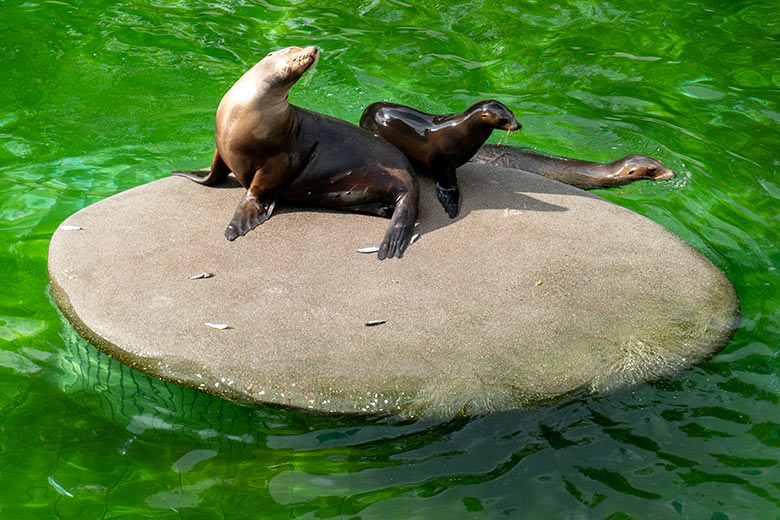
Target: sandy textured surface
[(535, 291)]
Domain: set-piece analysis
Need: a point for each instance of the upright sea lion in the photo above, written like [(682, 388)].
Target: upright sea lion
[(278, 151), (438, 143), (582, 174)]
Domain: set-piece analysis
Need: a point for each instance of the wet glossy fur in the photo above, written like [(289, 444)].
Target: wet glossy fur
[(582, 174), (280, 152), (438, 143)]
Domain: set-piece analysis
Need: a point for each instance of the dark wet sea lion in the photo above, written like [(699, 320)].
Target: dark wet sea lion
[(582, 174), (438, 143), (278, 151)]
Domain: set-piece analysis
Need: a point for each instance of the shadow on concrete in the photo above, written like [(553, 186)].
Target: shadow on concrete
[(483, 187)]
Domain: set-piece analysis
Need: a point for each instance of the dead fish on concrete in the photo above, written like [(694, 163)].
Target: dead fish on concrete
[(366, 250), (220, 326)]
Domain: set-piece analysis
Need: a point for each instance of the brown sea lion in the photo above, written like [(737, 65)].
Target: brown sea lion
[(582, 174), (280, 152), (438, 143)]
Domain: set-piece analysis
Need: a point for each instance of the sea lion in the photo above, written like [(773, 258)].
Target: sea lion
[(581, 174), (438, 143), (280, 152)]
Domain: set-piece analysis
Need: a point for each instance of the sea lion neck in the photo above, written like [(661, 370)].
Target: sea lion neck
[(479, 129), (623, 167), (284, 126)]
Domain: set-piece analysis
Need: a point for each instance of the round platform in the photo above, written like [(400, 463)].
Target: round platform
[(537, 290)]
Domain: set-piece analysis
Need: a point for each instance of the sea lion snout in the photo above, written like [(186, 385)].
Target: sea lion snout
[(286, 66), (293, 55), (512, 126), (304, 59), (309, 53)]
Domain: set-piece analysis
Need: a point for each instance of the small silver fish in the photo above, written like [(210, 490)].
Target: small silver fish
[(372, 249), (201, 276), (372, 323)]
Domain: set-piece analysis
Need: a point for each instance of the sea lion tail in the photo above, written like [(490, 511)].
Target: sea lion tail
[(207, 177)]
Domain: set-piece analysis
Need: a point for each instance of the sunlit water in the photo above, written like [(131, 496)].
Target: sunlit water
[(101, 97)]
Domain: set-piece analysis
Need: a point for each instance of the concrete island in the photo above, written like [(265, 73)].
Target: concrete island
[(536, 291)]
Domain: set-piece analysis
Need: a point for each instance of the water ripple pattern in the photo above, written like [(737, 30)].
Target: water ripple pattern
[(99, 97)]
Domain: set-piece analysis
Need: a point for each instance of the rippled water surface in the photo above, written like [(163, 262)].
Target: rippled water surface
[(98, 97)]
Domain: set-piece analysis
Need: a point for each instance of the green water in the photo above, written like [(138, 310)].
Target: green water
[(98, 97)]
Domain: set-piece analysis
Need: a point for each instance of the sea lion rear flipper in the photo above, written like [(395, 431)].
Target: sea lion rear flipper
[(249, 214), (218, 172)]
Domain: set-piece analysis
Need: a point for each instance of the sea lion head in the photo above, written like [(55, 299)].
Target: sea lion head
[(496, 115), (282, 68), (636, 167)]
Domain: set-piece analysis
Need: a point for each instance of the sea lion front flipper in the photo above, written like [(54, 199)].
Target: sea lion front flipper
[(399, 232), (249, 214), (447, 190), (450, 199), (258, 202), (398, 236)]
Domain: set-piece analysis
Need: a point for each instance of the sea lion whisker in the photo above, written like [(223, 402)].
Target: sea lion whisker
[(311, 70)]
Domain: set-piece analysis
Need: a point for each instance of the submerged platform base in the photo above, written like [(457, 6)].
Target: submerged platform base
[(535, 291)]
